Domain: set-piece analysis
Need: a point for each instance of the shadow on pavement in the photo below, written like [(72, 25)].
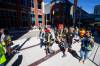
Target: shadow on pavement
[(44, 59), (18, 61), (74, 54), (17, 34), (97, 39), (16, 50), (29, 47), (23, 44)]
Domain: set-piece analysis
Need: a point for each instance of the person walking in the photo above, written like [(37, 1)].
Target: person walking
[(60, 42), (76, 35), (65, 31), (41, 36), (8, 42), (86, 42), (47, 41), (69, 38)]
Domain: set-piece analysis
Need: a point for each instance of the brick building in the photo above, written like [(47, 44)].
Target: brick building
[(37, 13)]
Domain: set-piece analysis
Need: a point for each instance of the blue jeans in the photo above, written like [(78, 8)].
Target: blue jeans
[(41, 42), (84, 54)]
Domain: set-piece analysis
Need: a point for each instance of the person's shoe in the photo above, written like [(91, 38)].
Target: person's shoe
[(82, 61), (45, 49), (79, 59), (64, 55)]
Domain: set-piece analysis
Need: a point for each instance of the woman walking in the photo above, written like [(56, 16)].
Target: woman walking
[(87, 41)]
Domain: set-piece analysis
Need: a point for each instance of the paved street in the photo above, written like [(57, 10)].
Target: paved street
[(31, 54), (30, 33), (22, 34)]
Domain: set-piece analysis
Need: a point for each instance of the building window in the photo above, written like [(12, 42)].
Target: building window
[(32, 3), (32, 14), (39, 5), (39, 16), (40, 21)]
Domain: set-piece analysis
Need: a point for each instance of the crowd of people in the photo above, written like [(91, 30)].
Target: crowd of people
[(65, 38)]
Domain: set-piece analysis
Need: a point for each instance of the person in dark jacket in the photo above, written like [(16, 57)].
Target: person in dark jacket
[(69, 38), (85, 46), (60, 42), (41, 36)]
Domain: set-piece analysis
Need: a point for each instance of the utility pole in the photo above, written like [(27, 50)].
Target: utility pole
[(74, 18), (80, 16), (74, 11)]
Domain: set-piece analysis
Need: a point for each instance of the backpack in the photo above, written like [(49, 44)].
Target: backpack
[(91, 43), (86, 44)]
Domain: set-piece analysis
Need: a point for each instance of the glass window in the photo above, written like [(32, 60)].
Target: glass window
[(40, 21), (32, 15), (39, 16), (32, 4), (39, 5)]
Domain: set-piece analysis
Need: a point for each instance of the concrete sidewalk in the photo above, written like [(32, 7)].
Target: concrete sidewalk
[(31, 53), (69, 60)]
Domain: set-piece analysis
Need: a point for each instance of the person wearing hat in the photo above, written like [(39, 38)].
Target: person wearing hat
[(41, 36), (47, 40)]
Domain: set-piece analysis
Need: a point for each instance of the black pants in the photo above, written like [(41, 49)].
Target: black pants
[(62, 48)]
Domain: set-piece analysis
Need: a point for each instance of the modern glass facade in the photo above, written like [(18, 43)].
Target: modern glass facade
[(15, 13), (60, 12)]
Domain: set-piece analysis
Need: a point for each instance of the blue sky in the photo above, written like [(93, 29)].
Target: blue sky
[(87, 5)]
